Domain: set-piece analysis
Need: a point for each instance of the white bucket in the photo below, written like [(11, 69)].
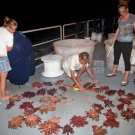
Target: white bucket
[(97, 36), (52, 65), (110, 58), (70, 46), (93, 36)]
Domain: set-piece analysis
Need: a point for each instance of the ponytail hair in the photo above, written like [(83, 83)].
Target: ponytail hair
[(9, 22), (123, 4)]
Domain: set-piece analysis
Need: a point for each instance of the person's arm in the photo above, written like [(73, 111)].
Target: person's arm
[(75, 80), (114, 38), (134, 25), (91, 75), (10, 43), (9, 48)]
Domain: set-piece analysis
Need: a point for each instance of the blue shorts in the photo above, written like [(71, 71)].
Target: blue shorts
[(4, 64)]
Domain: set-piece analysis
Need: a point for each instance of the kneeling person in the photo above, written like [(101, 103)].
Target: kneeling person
[(78, 62)]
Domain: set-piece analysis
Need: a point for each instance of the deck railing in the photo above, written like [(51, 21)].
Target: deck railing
[(69, 24), (41, 29), (62, 34)]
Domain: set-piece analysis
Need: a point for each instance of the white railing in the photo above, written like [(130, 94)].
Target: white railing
[(41, 29), (52, 27), (88, 29), (61, 31), (69, 24)]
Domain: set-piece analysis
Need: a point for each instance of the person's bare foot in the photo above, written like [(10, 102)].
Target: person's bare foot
[(6, 97), (6, 92)]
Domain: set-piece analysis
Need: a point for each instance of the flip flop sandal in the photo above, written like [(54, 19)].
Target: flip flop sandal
[(110, 75), (124, 83)]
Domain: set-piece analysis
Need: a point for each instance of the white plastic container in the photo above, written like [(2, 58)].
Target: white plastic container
[(96, 36), (110, 58), (52, 65), (99, 37), (111, 35), (87, 38), (93, 36), (70, 46)]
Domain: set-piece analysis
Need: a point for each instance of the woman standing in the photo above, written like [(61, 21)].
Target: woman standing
[(6, 44), (123, 41)]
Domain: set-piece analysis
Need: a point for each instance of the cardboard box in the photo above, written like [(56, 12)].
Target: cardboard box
[(98, 70), (98, 63)]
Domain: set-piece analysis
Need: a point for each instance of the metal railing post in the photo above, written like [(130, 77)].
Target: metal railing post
[(63, 32), (103, 22), (88, 28)]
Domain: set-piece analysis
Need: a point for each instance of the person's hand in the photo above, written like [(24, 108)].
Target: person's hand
[(81, 88), (95, 80)]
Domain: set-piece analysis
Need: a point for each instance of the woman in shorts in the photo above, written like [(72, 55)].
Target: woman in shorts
[(6, 44)]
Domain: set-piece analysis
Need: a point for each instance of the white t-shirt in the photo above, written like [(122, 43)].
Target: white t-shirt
[(72, 62), (6, 39)]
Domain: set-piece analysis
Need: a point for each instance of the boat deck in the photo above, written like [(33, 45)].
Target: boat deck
[(71, 104)]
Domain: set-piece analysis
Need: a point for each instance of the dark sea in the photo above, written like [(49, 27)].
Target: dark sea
[(50, 13)]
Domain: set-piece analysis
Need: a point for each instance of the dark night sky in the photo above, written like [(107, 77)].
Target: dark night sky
[(50, 13)]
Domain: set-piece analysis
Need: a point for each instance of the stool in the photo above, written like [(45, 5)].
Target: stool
[(52, 65)]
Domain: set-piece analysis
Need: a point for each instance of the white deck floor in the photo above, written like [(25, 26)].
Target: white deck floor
[(78, 103)]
